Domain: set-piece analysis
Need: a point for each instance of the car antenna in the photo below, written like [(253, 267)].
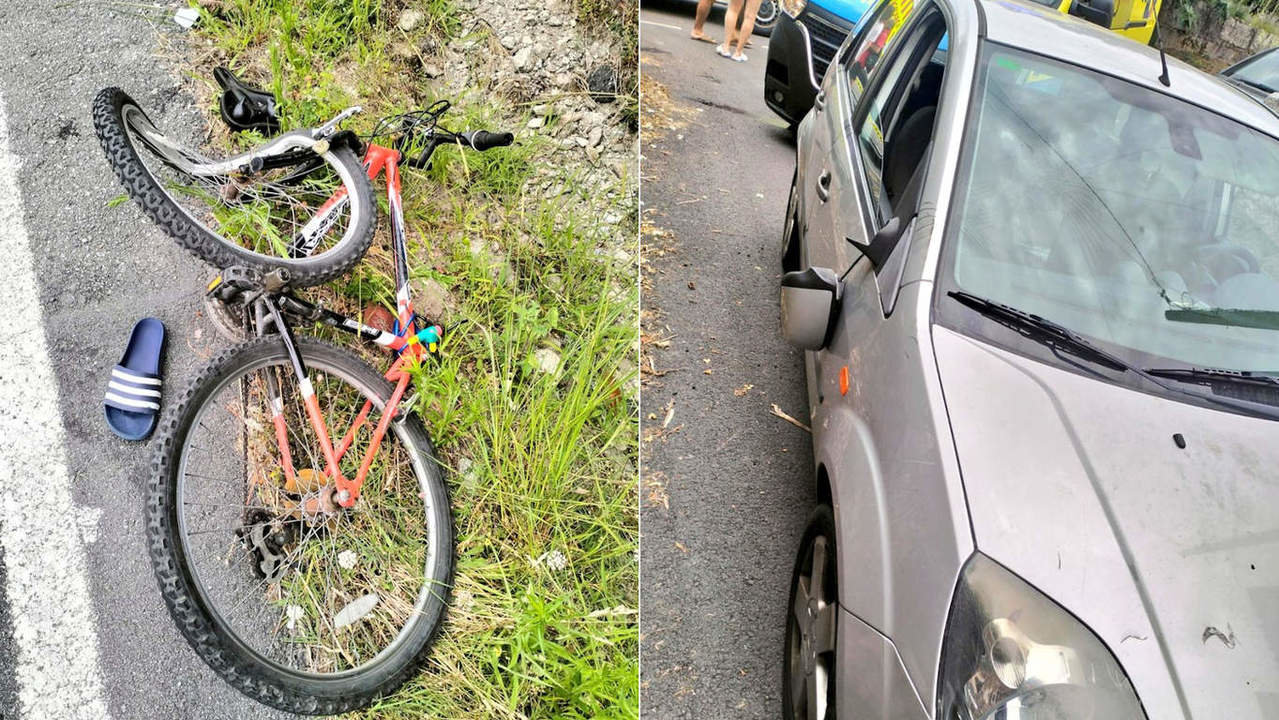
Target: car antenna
[(1163, 60)]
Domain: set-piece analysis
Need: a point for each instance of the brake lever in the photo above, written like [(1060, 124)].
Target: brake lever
[(424, 159), (329, 127)]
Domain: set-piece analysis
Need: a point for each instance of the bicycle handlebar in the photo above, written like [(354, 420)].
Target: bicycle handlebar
[(479, 140), (483, 139)]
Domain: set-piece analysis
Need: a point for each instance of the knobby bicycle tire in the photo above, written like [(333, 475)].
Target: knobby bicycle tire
[(221, 649), (143, 187)]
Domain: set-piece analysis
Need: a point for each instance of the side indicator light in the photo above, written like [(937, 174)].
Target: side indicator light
[(843, 380)]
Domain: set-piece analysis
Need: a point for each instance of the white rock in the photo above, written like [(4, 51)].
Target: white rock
[(186, 17), (536, 123), (347, 559), (432, 301), (293, 613), (523, 57), (548, 361), (410, 19)]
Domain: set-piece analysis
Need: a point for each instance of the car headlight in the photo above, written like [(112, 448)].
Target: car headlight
[(793, 7), (1011, 653)]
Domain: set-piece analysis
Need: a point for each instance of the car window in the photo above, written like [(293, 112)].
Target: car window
[(874, 42), (1121, 213), (1261, 71), (911, 84)]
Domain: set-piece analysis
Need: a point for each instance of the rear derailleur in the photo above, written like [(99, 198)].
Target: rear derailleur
[(267, 538)]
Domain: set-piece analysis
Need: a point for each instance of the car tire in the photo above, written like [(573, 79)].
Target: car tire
[(766, 18), (808, 673), (790, 232)]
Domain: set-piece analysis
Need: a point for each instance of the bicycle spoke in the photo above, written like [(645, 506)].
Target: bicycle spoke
[(256, 211), (292, 612)]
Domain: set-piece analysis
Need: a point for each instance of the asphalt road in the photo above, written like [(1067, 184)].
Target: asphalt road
[(99, 270), (728, 484)]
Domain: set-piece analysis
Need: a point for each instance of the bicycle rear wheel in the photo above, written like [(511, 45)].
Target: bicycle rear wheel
[(316, 613), (281, 205)]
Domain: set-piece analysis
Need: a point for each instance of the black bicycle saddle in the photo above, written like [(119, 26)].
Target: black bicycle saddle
[(245, 107)]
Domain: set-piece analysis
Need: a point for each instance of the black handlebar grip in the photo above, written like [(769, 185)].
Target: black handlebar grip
[(483, 139)]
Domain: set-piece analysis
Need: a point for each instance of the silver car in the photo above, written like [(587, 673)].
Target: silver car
[(1036, 271)]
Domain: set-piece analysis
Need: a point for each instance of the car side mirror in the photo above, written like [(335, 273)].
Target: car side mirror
[(810, 306), (1098, 12), (881, 245)]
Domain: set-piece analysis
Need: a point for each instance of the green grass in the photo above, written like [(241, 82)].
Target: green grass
[(543, 465)]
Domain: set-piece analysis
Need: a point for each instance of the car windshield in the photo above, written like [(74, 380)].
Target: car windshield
[(1260, 71), (1122, 214)]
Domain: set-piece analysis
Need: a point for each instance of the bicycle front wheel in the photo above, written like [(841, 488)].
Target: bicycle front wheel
[(310, 612), (282, 205)]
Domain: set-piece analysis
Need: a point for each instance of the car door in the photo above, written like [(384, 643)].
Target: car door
[(874, 79), (829, 161)]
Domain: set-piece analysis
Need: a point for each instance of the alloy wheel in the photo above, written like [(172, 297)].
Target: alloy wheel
[(812, 631)]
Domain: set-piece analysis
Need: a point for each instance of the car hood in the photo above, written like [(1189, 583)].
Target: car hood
[(1170, 555)]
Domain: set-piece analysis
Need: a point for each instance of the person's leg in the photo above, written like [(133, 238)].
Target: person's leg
[(748, 25), (730, 25), (703, 12)]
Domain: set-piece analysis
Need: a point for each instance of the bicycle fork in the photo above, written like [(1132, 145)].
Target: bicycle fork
[(345, 490)]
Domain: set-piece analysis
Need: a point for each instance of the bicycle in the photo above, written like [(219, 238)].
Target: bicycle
[(311, 581)]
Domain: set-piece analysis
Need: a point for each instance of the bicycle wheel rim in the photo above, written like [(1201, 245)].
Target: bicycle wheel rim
[(283, 224), (427, 600)]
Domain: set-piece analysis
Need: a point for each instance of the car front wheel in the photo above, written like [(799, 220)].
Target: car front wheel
[(808, 689), (790, 230)]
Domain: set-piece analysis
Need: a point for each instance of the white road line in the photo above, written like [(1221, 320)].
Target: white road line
[(662, 25), (48, 586), (763, 46)]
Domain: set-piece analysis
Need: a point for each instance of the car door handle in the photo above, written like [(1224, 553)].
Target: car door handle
[(823, 186), (819, 102)]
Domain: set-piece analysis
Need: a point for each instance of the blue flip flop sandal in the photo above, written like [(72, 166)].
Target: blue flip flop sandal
[(133, 393)]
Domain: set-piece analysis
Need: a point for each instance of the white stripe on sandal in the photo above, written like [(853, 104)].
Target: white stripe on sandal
[(130, 390), (130, 377), (131, 402)]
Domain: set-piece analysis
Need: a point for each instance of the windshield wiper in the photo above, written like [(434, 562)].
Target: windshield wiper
[(1203, 376), (1063, 339), (1042, 330), (1258, 319), (1251, 83)]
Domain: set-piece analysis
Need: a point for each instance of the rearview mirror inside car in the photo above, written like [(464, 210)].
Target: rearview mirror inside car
[(1098, 12), (810, 306)]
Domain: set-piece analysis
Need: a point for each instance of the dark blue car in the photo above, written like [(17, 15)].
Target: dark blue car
[(803, 45)]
